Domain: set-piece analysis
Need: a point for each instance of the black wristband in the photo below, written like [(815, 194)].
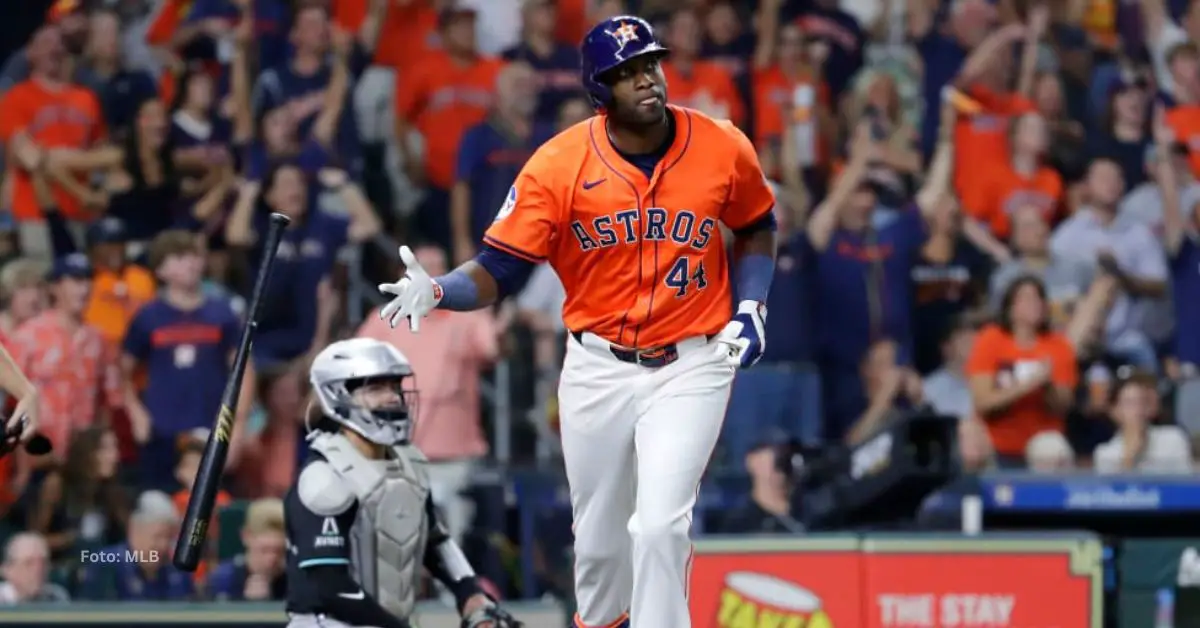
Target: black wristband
[(463, 589)]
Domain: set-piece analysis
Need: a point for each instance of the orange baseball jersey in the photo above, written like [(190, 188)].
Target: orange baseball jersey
[(642, 260), (1184, 120), (67, 117), (709, 87), (981, 140), (1001, 191), (443, 99)]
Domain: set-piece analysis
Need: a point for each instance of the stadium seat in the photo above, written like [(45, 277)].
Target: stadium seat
[(229, 529)]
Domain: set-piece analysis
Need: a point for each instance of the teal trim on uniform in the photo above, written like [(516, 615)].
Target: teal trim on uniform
[(313, 562)]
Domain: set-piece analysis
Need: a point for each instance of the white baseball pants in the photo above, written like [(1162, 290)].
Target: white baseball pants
[(636, 441)]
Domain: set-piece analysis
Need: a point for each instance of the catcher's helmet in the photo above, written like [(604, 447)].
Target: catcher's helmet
[(611, 43)]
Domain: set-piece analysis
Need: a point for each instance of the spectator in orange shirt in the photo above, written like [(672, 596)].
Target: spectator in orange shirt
[(28, 132), (1022, 375), (67, 359), (1183, 63), (22, 293), (119, 288), (981, 139), (703, 85), (1020, 181), (450, 92), (789, 92)]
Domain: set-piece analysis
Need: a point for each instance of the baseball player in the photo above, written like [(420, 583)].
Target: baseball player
[(626, 207), (360, 521)]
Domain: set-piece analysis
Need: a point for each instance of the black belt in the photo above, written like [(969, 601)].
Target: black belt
[(657, 357)]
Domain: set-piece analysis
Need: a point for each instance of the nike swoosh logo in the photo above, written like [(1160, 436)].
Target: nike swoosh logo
[(353, 596), (587, 185)]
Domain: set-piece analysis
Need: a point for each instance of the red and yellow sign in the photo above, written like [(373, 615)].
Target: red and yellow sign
[(895, 583), (805, 589)]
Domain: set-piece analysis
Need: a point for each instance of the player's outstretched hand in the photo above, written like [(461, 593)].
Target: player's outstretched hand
[(414, 296), (742, 341)]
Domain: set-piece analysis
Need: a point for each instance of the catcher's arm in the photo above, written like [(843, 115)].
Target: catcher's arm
[(446, 562)]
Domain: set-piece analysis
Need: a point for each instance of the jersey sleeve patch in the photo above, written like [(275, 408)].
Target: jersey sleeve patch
[(510, 203)]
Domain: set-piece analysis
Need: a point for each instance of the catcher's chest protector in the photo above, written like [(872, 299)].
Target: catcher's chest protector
[(392, 527)]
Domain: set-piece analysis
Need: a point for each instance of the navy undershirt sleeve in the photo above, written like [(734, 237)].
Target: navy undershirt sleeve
[(510, 272)]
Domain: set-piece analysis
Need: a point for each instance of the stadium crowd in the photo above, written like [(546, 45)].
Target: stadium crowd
[(987, 209)]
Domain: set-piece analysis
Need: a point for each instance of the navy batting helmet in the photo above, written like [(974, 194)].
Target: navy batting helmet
[(611, 43)]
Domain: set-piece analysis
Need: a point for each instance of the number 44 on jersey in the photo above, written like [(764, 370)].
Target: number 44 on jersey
[(684, 230)]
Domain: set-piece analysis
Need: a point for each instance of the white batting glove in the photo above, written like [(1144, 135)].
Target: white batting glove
[(416, 294), (744, 338)]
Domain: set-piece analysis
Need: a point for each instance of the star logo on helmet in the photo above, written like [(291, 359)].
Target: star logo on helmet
[(624, 34)]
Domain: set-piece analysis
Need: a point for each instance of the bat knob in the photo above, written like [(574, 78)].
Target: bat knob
[(280, 219)]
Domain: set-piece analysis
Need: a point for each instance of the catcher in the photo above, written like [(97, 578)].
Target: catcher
[(360, 520)]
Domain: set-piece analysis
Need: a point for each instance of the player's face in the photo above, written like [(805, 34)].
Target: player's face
[(639, 92), (378, 395), (265, 552)]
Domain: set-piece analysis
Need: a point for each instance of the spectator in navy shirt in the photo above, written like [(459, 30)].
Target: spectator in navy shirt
[(185, 342), (1124, 134), (258, 573), (289, 327), (142, 569), (1181, 240), (782, 393), (269, 20), (490, 156), (280, 133), (862, 274), (824, 20), (199, 138), (301, 85), (556, 64), (120, 89)]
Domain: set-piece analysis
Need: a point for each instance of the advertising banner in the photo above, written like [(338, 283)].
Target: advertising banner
[(898, 582), (976, 582), (784, 583)]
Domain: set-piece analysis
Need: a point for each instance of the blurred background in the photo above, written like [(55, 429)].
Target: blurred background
[(949, 397)]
